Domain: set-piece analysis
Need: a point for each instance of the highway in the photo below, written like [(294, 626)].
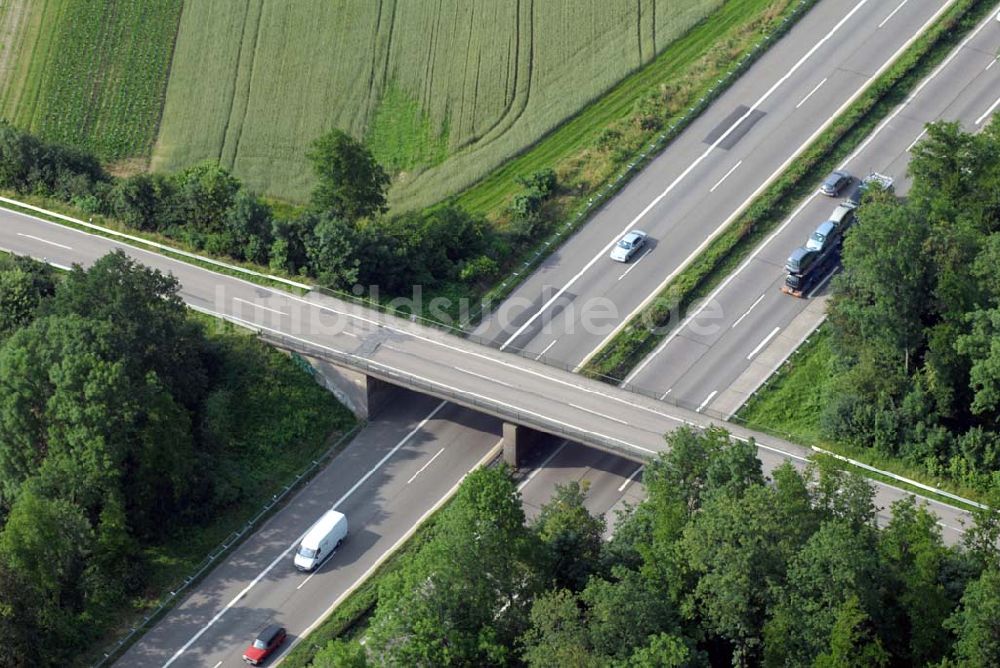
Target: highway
[(704, 177), (275, 595), (719, 341), (256, 584)]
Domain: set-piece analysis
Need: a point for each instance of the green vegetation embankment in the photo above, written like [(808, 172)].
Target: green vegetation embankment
[(134, 438)]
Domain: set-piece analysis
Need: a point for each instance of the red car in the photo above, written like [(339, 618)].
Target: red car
[(265, 644)]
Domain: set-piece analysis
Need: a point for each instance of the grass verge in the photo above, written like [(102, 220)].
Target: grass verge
[(595, 153), (284, 411), (651, 325), (351, 617), (789, 405)]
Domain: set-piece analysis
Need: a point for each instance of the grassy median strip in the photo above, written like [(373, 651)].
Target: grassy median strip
[(649, 327), (597, 152), (352, 615)]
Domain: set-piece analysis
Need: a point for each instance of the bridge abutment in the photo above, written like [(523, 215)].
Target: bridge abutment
[(517, 440)]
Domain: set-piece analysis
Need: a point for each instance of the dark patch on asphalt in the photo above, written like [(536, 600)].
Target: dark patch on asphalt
[(737, 134)]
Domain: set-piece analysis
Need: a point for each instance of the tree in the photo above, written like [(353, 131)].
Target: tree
[(911, 550), (24, 285), (737, 551), (982, 347), (853, 641), (351, 185), (204, 194), (247, 229), (465, 596), (332, 250), (341, 654), (664, 650), (143, 201), (623, 612), (46, 542), (152, 331), (837, 562), (557, 635), (977, 622), (571, 535)]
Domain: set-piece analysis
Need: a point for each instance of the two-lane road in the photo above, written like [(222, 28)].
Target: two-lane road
[(568, 307), (712, 348)]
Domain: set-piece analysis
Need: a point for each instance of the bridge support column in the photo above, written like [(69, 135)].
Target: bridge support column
[(364, 395), (517, 440), (377, 393)]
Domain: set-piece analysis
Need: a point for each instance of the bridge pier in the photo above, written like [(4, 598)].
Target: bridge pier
[(364, 395), (517, 440)]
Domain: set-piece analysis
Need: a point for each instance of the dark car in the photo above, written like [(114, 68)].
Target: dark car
[(264, 644), (834, 183)]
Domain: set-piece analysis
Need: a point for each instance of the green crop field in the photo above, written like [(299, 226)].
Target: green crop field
[(443, 92), (87, 72)]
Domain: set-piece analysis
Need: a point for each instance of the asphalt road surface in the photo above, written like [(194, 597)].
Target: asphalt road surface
[(717, 343), (567, 308), (611, 478)]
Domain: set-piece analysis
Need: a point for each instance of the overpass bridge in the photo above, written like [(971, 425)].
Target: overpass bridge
[(529, 396)]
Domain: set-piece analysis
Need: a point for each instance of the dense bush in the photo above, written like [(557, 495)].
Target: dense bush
[(914, 316), (717, 566), (121, 424), (344, 239)]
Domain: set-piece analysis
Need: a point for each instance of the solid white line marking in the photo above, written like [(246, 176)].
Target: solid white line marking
[(272, 310), (606, 417), (291, 547), (490, 455), (690, 168), (666, 393), (763, 343), (992, 63), (542, 465), (893, 13), (707, 399), (747, 312), (914, 142), (542, 354), (724, 177), (60, 266), (217, 665), (715, 293), (481, 376), (803, 101), (916, 91), (636, 263), (988, 111), (819, 286), (760, 189), (44, 241), (429, 462), (630, 479), (311, 576)]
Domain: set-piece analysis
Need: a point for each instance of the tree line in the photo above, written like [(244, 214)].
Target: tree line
[(718, 566), (915, 315), (345, 237), (122, 423)]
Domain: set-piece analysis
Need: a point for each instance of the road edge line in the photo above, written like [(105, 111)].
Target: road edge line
[(489, 456)]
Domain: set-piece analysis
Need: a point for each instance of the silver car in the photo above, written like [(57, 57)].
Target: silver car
[(628, 246), (834, 183)]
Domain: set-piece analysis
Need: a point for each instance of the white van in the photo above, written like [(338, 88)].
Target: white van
[(322, 540)]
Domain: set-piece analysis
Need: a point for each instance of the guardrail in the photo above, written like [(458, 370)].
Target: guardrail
[(231, 541)]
